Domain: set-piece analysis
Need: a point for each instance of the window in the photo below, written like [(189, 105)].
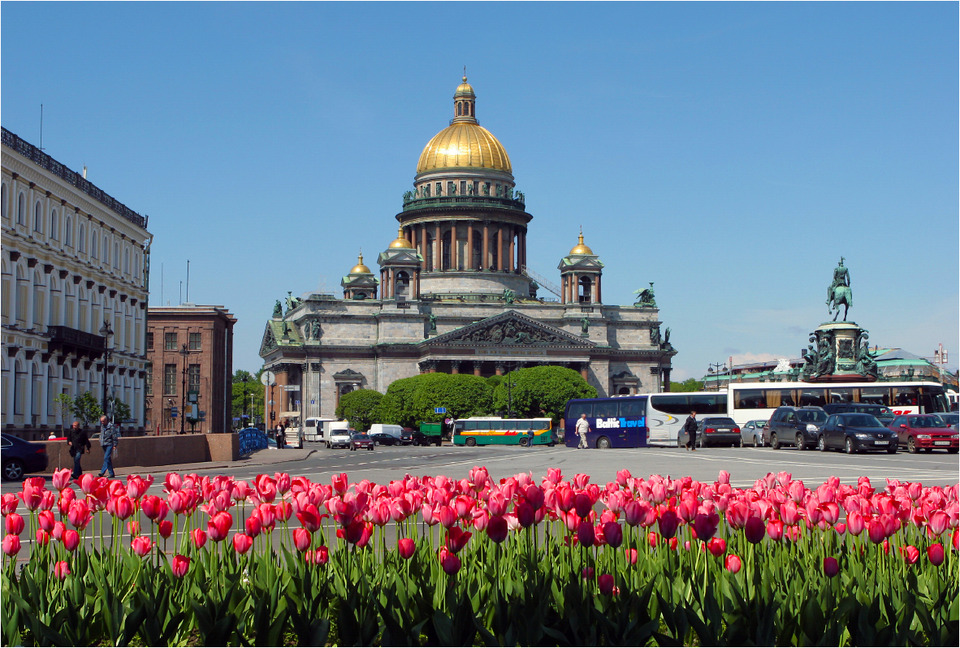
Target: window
[(116, 255), (194, 341), (148, 369), (106, 249), (93, 243), (170, 380), (126, 260), (3, 201), (633, 407), (193, 378), (38, 217), (67, 232), (21, 210), (169, 341), (150, 341), (81, 238), (55, 225)]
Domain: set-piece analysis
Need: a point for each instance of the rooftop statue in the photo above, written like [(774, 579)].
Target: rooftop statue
[(277, 310), (646, 298), (839, 293)]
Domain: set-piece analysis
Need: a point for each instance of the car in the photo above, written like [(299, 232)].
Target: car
[(382, 438), (406, 436), (752, 432), (794, 426), (340, 438), (717, 430), (925, 432), (361, 441), (853, 432), (21, 457), (950, 418), (883, 414)]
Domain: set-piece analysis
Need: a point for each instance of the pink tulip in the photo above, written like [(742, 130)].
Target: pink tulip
[(141, 545), (910, 554), (70, 540), (340, 483), (302, 539), (938, 522), (199, 537), (855, 523), (133, 528), (253, 525), (165, 528), (449, 561), (320, 556), (80, 514), (830, 566), (61, 570), (242, 543), (32, 492), (406, 547), (717, 546), (14, 523), (876, 531), (653, 539), (179, 565), (8, 503), (733, 563), (11, 544), (607, 584), (497, 529), (58, 529), (935, 554), (775, 530), (123, 507), (43, 538), (219, 526), (61, 478), (632, 556), (154, 507)]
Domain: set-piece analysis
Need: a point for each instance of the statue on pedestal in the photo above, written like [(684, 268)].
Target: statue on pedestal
[(839, 293)]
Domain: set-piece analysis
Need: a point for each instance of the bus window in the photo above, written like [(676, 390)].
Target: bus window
[(841, 395), (578, 408), (811, 397), (605, 409), (708, 403), (675, 404), (779, 397), (935, 399), (875, 395), (906, 396), (632, 407), (751, 399)]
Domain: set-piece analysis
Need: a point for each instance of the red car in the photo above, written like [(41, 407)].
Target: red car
[(361, 441), (924, 432)]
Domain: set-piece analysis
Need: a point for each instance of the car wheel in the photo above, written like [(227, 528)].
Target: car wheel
[(801, 442), (741, 442), (756, 441), (12, 469), (370, 448), (848, 446), (892, 449), (603, 443), (774, 442), (470, 441), (912, 445)]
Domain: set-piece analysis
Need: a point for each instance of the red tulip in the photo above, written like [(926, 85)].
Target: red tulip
[(406, 547), (253, 525), (525, 514), (585, 534), (668, 523), (302, 539), (242, 543), (447, 516), (320, 556), (79, 515), (199, 537), (154, 507), (61, 478), (910, 554), (11, 544), (165, 528), (62, 569), (606, 584), (583, 504), (830, 566), (353, 532), (43, 538), (340, 483), (673, 543), (935, 554), (70, 539), (14, 523), (631, 556), (141, 545), (717, 546), (449, 561), (457, 538), (219, 526), (179, 565), (613, 534), (123, 507), (775, 530), (876, 531), (497, 529), (733, 563)]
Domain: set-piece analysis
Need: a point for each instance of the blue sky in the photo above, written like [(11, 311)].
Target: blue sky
[(728, 152)]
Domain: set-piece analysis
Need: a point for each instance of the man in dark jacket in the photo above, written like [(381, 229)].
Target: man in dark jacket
[(690, 427), (79, 443), (109, 438)]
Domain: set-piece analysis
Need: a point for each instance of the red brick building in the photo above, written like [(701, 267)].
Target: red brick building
[(189, 369)]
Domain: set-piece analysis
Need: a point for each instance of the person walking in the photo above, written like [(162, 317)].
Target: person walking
[(690, 427), (79, 444), (583, 427), (109, 438), (281, 435)]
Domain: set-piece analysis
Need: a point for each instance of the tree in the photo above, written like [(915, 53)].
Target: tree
[(119, 409), (63, 403), (409, 401), (86, 408), (688, 385), (397, 404), (246, 397), (540, 391), (361, 407), (242, 376)]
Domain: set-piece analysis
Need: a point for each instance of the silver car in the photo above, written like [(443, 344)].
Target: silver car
[(752, 433)]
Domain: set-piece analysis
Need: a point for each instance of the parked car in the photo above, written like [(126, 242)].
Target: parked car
[(21, 457), (340, 438), (718, 430), (361, 441), (924, 432), (854, 432), (883, 414), (752, 433), (794, 426), (406, 436), (952, 419), (382, 438)]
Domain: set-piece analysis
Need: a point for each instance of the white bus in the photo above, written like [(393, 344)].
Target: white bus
[(748, 401), (667, 411)]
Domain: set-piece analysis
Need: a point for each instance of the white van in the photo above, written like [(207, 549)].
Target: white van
[(393, 430), (313, 428)]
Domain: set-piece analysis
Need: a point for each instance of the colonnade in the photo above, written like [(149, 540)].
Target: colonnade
[(470, 245), (570, 288)]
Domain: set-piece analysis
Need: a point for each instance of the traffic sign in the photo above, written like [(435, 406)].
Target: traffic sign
[(268, 378), (439, 410)]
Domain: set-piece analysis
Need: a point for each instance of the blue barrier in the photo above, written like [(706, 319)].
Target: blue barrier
[(251, 439)]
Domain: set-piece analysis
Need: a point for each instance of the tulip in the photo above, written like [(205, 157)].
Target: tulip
[(910, 554), (165, 528), (935, 554), (133, 528), (586, 535), (242, 543), (583, 504), (497, 529), (8, 503), (302, 539), (11, 544), (199, 537), (733, 563), (123, 507), (775, 530), (705, 525), (79, 514), (668, 523), (61, 570), (253, 525), (219, 526), (631, 556), (754, 529), (606, 584), (456, 539), (717, 546), (32, 492), (406, 547), (43, 538), (449, 561), (653, 539), (320, 556), (876, 531), (353, 532), (526, 515), (673, 543), (830, 566), (14, 522), (61, 478), (141, 545), (179, 565), (938, 522), (70, 539)]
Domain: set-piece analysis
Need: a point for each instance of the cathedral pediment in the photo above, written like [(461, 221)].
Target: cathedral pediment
[(279, 333), (509, 329)]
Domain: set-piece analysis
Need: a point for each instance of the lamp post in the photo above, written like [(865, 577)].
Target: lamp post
[(184, 354), (715, 368), (106, 333)]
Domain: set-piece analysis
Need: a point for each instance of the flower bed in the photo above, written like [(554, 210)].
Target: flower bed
[(436, 560)]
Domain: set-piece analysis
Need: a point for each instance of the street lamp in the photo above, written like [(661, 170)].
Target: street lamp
[(715, 368), (184, 354), (106, 333)]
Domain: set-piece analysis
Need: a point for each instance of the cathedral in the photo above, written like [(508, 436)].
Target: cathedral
[(453, 294)]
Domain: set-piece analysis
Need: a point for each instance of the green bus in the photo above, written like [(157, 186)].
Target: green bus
[(490, 431)]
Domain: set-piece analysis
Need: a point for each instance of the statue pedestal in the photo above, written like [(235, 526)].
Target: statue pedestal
[(839, 354)]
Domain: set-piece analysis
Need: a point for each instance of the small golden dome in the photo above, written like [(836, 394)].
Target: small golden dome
[(360, 268), (464, 89), (401, 242), (580, 248)]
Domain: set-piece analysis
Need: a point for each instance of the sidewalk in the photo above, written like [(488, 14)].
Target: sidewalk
[(266, 457)]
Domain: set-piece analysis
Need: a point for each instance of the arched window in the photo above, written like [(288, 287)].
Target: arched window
[(55, 225), (21, 298), (67, 232), (106, 250), (21, 210), (81, 239), (56, 296), (19, 386), (3, 202), (93, 242), (38, 306), (136, 264), (116, 255), (126, 260), (38, 217)]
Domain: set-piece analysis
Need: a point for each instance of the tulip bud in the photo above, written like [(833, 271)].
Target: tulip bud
[(242, 543), (606, 583), (613, 534), (141, 545), (61, 570), (497, 529), (406, 547), (585, 534), (733, 563), (449, 561), (43, 538), (179, 565), (165, 528), (301, 539), (754, 529), (935, 554), (70, 539), (910, 554), (830, 566), (11, 544), (14, 523), (632, 556)]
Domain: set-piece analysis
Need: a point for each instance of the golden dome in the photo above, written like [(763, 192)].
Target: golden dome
[(400, 242), (360, 268), (580, 248), (464, 143)]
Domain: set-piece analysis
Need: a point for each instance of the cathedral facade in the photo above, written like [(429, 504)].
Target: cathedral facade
[(453, 294)]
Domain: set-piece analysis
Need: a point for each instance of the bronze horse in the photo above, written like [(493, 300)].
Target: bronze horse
[(842, 295)]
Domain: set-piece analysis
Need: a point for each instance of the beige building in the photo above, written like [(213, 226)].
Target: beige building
[(75, 265), (189, 369), (454, 294)]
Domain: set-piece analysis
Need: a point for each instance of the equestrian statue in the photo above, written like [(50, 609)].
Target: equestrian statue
[(839, 293)]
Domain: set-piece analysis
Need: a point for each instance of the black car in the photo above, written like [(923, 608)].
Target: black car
[(794, 426), (883, 414), (854, 432), (21, 457), (382, 438), (406, 436), (718, 430)]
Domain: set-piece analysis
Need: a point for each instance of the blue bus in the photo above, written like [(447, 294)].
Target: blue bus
[(614, 422)]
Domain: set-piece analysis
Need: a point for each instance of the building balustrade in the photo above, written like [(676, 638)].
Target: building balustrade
[(410, 203)]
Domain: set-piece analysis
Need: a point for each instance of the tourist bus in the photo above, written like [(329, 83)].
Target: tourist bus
[(634, 421), (747, 401), (491, 431)]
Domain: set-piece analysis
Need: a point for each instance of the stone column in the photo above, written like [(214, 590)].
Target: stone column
[(438, 249), (470, 246), (499, 248), (511, 246), (597, 298), (423, 247), (485, 262), (454, 366), (454, 252), (44, 386), (477, 367)]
